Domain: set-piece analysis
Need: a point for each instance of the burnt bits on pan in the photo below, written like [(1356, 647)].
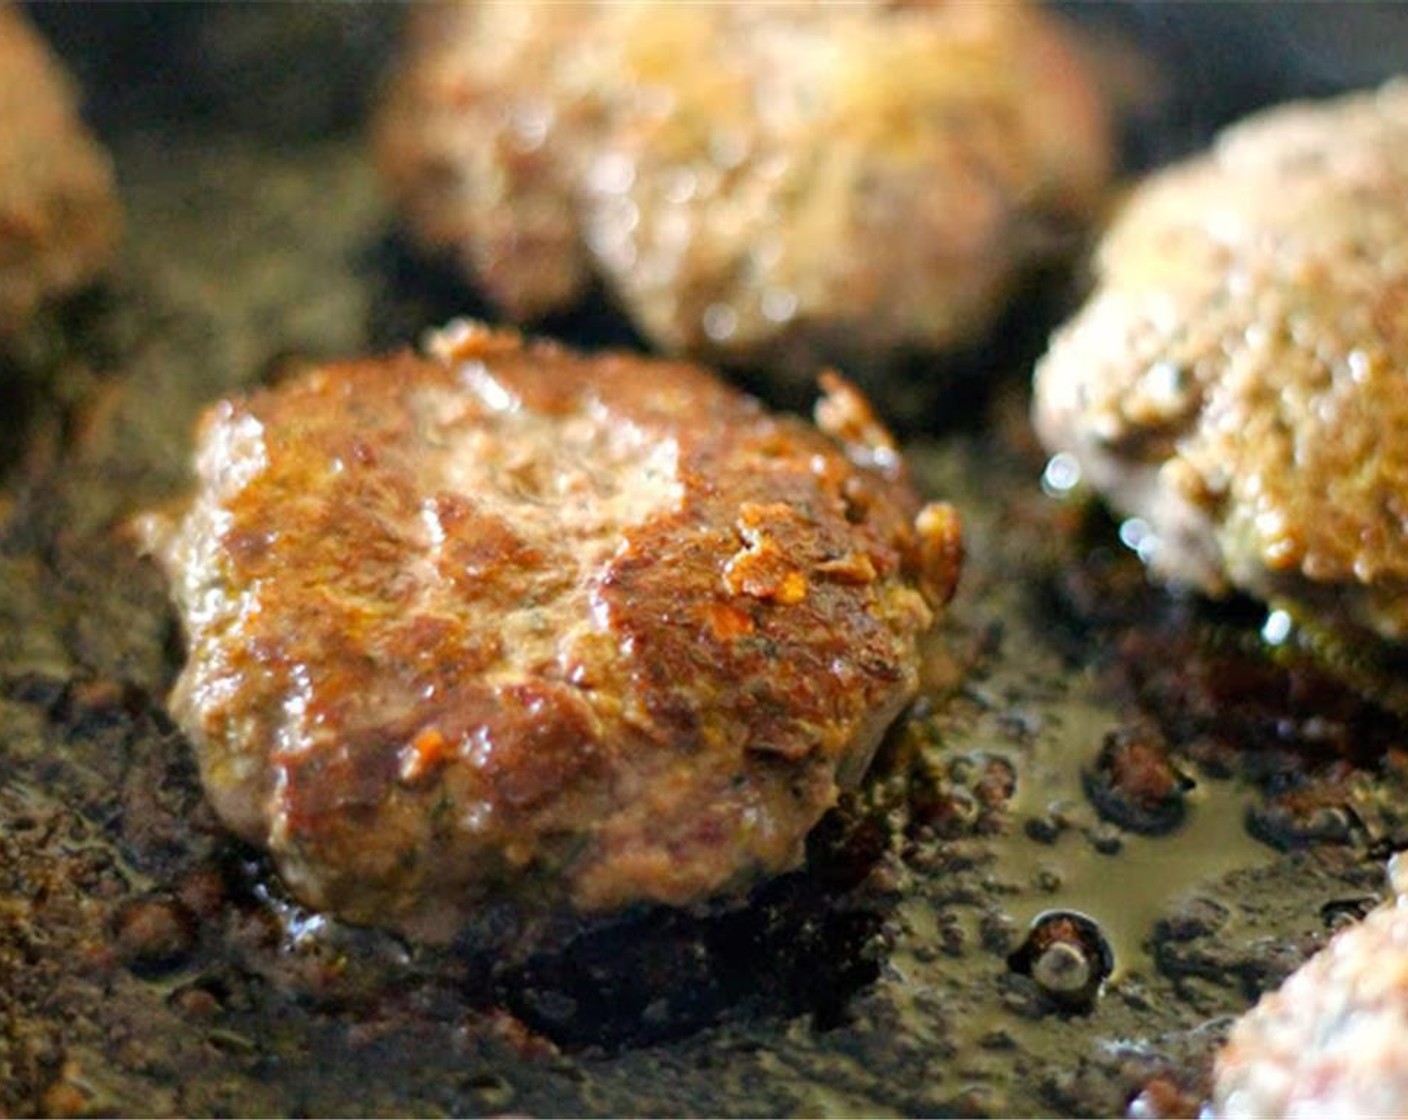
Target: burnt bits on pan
[(59, 219), (1134, 783), (1066, 954), (780, 186), (506, 632), (1235, 385)]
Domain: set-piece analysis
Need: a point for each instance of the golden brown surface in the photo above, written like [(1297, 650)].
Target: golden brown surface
[(789, 181), (1237, 381), (58, 218), (510, 624)]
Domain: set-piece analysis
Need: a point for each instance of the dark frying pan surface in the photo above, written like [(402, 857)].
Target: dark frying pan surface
[(150, 965)]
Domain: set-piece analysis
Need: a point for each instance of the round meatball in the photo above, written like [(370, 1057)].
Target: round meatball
[(1236, 383), (58, 218), (779, 182), (506, 632), (1333, 1041)]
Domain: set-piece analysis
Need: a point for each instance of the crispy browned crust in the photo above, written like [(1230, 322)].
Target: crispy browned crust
[(512, 623), (1236, 380), (749, 180), (59, 220)]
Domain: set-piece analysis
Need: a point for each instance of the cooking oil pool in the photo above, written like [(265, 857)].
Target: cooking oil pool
[(1122, 880)]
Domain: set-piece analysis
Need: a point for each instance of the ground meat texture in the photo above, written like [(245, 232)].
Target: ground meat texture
[(506, 631), (58, 217), (1236, 382), (1333, 1041), (753, 182)]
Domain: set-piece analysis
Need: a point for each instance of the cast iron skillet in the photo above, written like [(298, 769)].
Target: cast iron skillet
[(152, 965)]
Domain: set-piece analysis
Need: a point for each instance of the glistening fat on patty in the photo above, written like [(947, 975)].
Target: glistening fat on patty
[(507, 628)]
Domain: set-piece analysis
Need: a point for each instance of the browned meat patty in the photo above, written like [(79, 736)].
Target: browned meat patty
[(1333, 1041), (58, 217), (789, 182), (1236, 385), (508, 626)]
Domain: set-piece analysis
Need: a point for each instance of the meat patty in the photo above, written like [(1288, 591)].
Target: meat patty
[(1236, 383), (58, 216), (789, 183), (1333, 1041), (505, 631)]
